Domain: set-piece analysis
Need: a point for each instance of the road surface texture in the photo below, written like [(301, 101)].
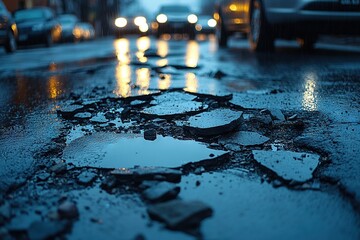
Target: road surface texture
[(138, 138)]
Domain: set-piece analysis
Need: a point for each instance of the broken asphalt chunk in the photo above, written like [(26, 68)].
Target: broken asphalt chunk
[(148, 173), (244, 138), (82, 115), (162, 191), (179, 214), (99, 118), (58, 168), (215, 122), (69, 111), (115, 151), (174, 109), (288, 165), (86, 178), (174, 97)]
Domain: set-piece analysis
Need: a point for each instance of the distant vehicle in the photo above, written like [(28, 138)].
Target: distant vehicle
[(125, 25), (37, 26), (176, 19), (68, 27), (87, 31), (8, 30), (206, 25), (265, 20)]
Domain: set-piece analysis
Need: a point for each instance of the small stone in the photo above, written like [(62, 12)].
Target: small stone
[(150, 135), (86, 178), (199, 170), (68, 210), (43, 176), (45, 230), (162, 191), (59, 168), (179, 214), (277, 114), (197, 183), (109, 183)]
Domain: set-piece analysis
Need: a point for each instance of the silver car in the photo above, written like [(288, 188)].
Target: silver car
[(265, 20)]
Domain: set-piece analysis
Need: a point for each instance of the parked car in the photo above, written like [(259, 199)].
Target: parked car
[(206, 25), (8, 30), (129, 24), (37, 25), (265, 20), (68, 27), (87, 31), (176, 19)]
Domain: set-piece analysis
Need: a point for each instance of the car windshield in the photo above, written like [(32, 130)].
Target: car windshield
[(174, 9), (29, 14), (67, 19)]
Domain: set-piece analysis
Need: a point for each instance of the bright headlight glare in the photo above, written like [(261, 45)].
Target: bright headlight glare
[(144, 28), (192, 18), (120, 22), (212, 23), (139, 21), (161, 18)]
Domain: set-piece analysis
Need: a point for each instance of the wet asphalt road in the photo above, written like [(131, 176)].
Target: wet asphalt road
[(323, 86)]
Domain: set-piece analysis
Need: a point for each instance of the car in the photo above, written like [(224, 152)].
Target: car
[(206, 25), (8, 30), (86, 31), (263, 21), (175, 18), (68, 27), (38, 26), (129, 24)]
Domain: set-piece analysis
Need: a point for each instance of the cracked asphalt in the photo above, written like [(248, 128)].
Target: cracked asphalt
[(229, 143)]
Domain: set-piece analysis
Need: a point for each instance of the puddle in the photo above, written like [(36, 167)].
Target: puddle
[(289, 165), (108, 150)]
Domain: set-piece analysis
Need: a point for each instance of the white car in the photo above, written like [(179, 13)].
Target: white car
[(265, 20)]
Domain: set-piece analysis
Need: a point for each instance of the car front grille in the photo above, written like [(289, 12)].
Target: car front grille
[(332, 7)]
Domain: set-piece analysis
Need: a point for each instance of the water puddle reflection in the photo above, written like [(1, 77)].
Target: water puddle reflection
[(108, 150)]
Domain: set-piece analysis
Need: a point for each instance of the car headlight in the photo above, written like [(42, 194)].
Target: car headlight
[(139, 21), (212, 23), (144, 28), (120, 22), (161, 18), (192, 18), (38, 27)]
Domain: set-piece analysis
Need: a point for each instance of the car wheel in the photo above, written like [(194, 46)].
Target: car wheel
[(221, 33), (49, 41), (260, 35), (307, 43), (10, 45)]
